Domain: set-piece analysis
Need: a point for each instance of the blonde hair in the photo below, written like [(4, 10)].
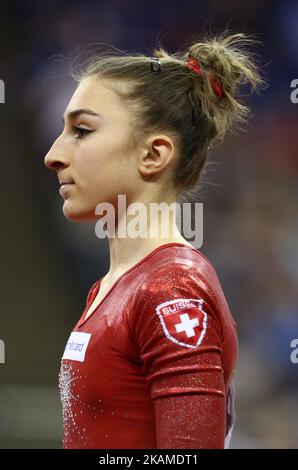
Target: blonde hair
[(178, 101)]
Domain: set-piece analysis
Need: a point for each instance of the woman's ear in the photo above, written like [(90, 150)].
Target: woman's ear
[(157, 155)]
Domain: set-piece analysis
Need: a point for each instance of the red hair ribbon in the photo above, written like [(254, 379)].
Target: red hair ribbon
[(194, 65), (216, 85)]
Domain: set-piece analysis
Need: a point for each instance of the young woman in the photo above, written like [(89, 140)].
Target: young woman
[(150, 362)]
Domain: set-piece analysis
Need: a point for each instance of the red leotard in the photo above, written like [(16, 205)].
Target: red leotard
[(152, 366)]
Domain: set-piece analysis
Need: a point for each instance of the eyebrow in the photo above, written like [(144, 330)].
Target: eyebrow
[(77, 112)]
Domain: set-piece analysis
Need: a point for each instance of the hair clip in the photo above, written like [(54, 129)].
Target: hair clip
[(155, 64)]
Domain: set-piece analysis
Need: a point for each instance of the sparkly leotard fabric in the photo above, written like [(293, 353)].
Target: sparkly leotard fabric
[(152, 366)]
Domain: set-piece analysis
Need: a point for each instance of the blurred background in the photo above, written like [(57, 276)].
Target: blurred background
[(48, 263)]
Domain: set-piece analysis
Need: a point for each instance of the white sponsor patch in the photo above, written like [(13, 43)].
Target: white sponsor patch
[(76, 346)]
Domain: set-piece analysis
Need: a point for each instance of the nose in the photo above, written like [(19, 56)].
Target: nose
[(56, 157)]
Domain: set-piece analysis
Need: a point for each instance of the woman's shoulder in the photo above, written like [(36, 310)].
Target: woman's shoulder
[(181, 272), (183, 261), (183, 283)]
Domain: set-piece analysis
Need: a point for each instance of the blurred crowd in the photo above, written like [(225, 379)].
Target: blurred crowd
[(250, 197)]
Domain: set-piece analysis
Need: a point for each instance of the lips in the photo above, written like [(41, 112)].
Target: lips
[(64, 179), (65, 182), (65, 186)]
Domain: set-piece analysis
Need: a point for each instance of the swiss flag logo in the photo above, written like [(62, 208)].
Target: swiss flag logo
[(183, 321)]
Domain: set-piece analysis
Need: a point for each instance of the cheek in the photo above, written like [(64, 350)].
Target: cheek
[(105, 165), (89, 166)]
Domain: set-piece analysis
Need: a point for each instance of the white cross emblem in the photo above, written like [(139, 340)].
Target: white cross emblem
[(183, 315), (187, 325)]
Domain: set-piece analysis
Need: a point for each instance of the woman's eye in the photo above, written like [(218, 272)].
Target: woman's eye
[(81, 132)]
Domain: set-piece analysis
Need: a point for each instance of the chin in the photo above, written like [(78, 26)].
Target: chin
[(76, 214)]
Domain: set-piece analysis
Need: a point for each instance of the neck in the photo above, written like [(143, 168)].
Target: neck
[(137, 234)]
